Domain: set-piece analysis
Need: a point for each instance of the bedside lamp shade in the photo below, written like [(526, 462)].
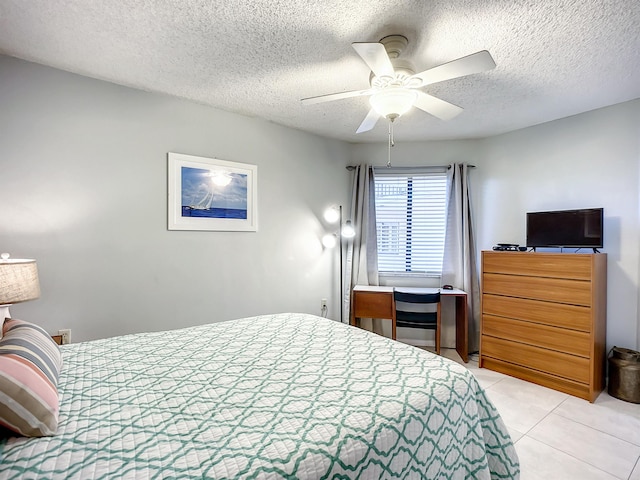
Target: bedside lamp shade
[(18, 282)]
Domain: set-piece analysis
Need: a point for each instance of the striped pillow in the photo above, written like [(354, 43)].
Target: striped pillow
[(30, 363)]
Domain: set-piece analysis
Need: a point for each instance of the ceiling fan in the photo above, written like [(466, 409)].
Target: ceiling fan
[(395, 87)]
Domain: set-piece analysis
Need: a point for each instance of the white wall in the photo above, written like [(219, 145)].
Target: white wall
[(83, 167), (589, 160)]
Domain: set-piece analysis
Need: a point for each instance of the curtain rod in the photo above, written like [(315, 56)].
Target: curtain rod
[(353, 167)]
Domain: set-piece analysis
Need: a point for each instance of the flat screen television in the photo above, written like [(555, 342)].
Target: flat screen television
[(565, 228)]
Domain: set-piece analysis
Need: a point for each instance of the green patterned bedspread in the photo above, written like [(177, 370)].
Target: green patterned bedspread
[(274, 396)]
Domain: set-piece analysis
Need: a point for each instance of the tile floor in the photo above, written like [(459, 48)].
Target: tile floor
[(558, 436)]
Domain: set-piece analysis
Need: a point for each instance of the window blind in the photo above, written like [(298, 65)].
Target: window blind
[(411, 222)]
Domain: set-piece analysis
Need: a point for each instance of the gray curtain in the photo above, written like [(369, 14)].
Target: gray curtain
[(361, 266), (459, 267)]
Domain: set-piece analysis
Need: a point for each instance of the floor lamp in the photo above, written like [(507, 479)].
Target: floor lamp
[(345, 233)]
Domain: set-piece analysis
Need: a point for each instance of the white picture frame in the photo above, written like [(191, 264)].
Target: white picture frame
[(211, 194)]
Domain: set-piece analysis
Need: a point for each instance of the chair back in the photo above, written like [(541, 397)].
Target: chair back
[(408, 317), (405, 297), (405, 314)]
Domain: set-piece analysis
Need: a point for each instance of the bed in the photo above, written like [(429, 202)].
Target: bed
[(272, 396)]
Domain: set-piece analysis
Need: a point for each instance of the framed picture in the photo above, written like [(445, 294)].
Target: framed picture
[(211, 194)]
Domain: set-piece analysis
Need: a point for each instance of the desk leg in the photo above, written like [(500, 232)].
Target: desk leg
[(462, 328), (394, 335)]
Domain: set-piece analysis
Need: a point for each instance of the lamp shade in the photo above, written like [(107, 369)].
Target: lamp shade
[(332, 214), (393, 102), (18, 280), (348, 231), (329, 240)]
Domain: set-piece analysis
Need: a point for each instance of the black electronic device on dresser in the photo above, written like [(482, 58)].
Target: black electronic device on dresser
[(509, 247), (581, 228)]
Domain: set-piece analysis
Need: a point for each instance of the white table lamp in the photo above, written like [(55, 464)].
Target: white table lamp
[(18, 283)]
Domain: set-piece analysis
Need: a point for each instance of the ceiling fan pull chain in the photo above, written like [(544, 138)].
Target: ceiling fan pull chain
[(393, 143), (390, 144)]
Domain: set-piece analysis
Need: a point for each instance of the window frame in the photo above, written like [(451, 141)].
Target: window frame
[(407, 172)]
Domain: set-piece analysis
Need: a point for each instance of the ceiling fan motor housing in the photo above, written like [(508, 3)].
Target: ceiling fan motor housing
[(394, 45), (403, 71)]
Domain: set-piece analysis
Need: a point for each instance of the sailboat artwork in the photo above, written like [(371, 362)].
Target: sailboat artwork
[(213, 193)]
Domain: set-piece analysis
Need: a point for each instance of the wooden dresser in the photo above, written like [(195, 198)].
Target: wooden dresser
[(544, 319)]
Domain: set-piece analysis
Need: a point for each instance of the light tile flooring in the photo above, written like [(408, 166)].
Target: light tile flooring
[(558, 436)]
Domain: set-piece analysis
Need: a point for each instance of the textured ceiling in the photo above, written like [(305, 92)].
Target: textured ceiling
[(554, 58)]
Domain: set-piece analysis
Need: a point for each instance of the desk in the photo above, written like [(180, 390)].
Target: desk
[(377, 302)]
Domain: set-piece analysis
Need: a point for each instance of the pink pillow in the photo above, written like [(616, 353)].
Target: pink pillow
[(30, 363)]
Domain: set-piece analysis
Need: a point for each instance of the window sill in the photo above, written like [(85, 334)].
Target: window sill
[(409, 275)]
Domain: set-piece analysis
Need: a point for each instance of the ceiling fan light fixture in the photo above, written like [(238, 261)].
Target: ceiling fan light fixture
[(393, 102)]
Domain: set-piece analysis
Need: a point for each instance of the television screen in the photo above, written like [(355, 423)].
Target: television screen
[(565, 228)]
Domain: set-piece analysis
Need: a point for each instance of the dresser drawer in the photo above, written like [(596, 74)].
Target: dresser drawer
[(573, 292), (574, 266), (575, 317), (541, 378), (543, 336), (548, 361)]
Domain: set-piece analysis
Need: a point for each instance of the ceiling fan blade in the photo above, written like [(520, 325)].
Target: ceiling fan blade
[(336, 96), (369, 121), (474, 63), (375, 56), (436, 107)]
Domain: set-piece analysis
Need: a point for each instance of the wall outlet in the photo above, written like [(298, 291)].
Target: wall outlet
[(66, 336), (323, 303)]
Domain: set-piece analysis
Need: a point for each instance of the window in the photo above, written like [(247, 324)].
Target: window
[(410, 222)]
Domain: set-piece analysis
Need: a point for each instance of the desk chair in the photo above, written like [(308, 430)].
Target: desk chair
[(409, 319)]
